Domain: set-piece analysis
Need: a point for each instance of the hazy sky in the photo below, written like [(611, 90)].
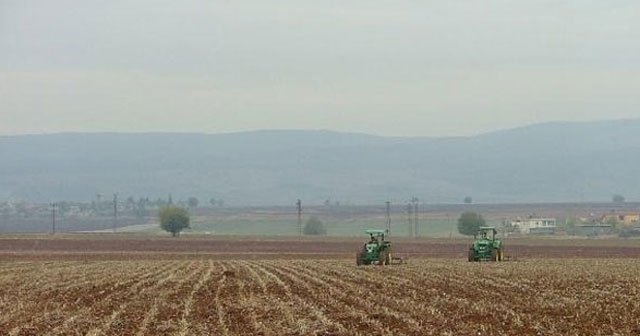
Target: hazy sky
[(431, 68)]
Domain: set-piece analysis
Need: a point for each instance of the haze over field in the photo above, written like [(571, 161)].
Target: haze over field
[(541, 163)]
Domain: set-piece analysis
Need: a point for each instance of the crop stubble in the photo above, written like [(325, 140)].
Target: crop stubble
[(321, 297)]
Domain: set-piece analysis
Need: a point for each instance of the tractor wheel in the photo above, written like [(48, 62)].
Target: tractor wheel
[(500, 255), (494, 255), (471, 254), (383, 257), (358, 259)]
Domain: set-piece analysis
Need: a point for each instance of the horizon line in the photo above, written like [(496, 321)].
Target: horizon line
[(312, 130)]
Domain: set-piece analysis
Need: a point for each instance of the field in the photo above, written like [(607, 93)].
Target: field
[(102, 286)]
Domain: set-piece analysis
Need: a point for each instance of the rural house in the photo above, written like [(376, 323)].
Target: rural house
[(628, 219), (534, 225)]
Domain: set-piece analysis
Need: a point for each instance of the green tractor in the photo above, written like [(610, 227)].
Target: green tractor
[(376, 251), (485, 246)]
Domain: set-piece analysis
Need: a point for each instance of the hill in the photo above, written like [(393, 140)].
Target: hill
[(554, 162)]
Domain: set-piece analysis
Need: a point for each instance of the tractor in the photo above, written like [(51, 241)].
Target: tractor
[(485, 246), (376, 251)]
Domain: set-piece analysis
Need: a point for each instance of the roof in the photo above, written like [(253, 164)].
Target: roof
[(375, 231)]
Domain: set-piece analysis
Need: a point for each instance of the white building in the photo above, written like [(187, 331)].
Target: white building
[(534, 225)]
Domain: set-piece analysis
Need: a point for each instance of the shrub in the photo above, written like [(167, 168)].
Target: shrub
[(314, 227), (469, 223)]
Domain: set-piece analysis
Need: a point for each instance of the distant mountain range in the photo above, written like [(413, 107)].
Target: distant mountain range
[(550, 162)]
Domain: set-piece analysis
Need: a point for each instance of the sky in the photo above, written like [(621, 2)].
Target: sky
[(396, 68)]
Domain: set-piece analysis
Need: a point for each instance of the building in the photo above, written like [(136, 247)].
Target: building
[(534, 225), (628, 219)]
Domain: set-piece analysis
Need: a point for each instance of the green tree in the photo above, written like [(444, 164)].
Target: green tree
[(613, 221), (174, 219), (468, 200), (617, 199), (193, 202), (570, 225), (469, 223), (314, 227)]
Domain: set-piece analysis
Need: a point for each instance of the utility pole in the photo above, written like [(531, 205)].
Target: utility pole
[(415, 215), (53, 218), (115, 211), (410, 218), (299, 205), (388, 218)]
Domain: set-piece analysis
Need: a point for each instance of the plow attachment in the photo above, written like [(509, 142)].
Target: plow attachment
[(398, 260)]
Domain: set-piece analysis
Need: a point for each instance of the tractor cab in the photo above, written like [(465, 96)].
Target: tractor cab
[(484, 232), (375, 238)]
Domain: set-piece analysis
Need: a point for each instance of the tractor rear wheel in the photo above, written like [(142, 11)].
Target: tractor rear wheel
[(471, 254), (500, 254), (383, 257), (495, 255), (358, 259)]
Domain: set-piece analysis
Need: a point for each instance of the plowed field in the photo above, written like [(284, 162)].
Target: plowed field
[(213, 296)]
